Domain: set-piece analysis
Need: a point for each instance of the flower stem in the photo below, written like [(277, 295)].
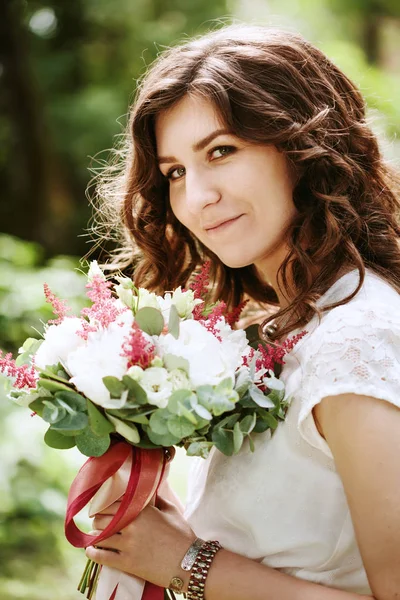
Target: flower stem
[(89, 578)]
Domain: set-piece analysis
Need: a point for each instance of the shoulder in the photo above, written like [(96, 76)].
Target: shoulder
[(355, 349), (374, 310)]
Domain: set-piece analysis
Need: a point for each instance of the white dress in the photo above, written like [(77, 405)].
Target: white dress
[(284, 505)]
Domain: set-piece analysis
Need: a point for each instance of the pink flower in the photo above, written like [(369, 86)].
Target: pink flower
[(60, 307), (137, 349), (25, 375), (104, 309)]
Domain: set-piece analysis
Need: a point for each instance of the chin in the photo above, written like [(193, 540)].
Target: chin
[(236, 263)]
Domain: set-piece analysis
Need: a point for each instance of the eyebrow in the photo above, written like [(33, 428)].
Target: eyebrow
[(198, 146)]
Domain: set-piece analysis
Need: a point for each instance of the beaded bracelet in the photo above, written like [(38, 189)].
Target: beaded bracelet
[(200, 569)]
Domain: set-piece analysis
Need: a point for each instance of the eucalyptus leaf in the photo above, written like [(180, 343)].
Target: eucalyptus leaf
[(54, 439), (269, 419), (251, 444), (203, 412), (259, 398), (150, 320), (228, 421), (199, 449), (52, 386), (99, 424), (114, 386), (223, 440), (178, 397), (247, 424), (52, 413), (135, 390), (162, 440), (225, 386), (92, 445), (158, 422), (173, 322), (129, 431), (75, 401), (180, 426), (76, 421), (243, 381), (237, 438)]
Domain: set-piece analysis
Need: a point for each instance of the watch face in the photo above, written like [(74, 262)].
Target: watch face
[(176, 584)]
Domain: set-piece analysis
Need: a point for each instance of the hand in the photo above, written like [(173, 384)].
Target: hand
[(151, 547)]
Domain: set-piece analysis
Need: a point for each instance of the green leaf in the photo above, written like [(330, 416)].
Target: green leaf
[(251, 444), (243, 381), (52, 386), (75, 401), (178, 397), (136, 392), (223, 440), (158, 422), (37, 406), (92, 445), (129, 431), (259, 398), (99, 424), (269, 419), (52, 413), (32, 345), (225, 386), (162, 440), (199, 449), (114, 386), (260, 426), (172, 362), (180, 426), (150, 320), (54, 439), (203, 412), (229, 421), (77, 421), (173, 322), (129, 414), (248, 423), (237, 438)]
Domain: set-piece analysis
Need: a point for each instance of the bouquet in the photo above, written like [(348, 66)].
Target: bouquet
[(132, 375)]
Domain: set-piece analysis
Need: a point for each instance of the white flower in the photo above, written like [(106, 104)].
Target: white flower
[(210, 361), (99, 357), (179, 380), (156, 384), (59, 341), (125, 295), (165, 306), (184, 302), (146, 298), (94, 270), (135, 372)]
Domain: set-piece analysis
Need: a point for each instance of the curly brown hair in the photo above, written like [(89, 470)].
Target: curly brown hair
[(271, 87)]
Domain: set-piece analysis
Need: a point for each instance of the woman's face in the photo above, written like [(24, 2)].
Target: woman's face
[(234, 196)]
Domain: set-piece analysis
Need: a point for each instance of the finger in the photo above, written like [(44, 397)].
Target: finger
[(102, 557), (101, 522), (111, 510), (110, 543)]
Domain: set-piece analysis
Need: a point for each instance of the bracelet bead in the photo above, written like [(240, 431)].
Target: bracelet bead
[(200, 570)]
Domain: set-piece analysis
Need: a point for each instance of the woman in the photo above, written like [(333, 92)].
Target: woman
[(249, 147)]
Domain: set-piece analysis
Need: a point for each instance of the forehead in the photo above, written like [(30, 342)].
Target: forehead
[(187, 121)]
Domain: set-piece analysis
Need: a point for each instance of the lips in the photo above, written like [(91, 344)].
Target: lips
[(217, 224)]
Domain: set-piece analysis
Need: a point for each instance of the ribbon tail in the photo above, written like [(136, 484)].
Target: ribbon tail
[(152, 592), (112, 597)]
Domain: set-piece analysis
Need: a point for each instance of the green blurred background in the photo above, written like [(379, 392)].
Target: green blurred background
[(67, 74)]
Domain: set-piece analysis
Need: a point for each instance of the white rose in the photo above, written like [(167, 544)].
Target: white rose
[(125, 295), (179, 380), (59, 341), (210, 361), (233, 340), (156, 384), (185, 302), (98, 358), (165, 306)]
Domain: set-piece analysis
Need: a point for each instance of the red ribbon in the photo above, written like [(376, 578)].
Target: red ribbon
[(145, 477)]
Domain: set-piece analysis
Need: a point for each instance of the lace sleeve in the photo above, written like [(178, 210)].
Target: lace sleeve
[(356, 349)]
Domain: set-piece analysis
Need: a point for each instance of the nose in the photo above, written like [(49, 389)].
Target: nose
[(201, 190)]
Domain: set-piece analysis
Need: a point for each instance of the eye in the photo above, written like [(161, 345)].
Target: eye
[(221, 151), (175, 173)]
